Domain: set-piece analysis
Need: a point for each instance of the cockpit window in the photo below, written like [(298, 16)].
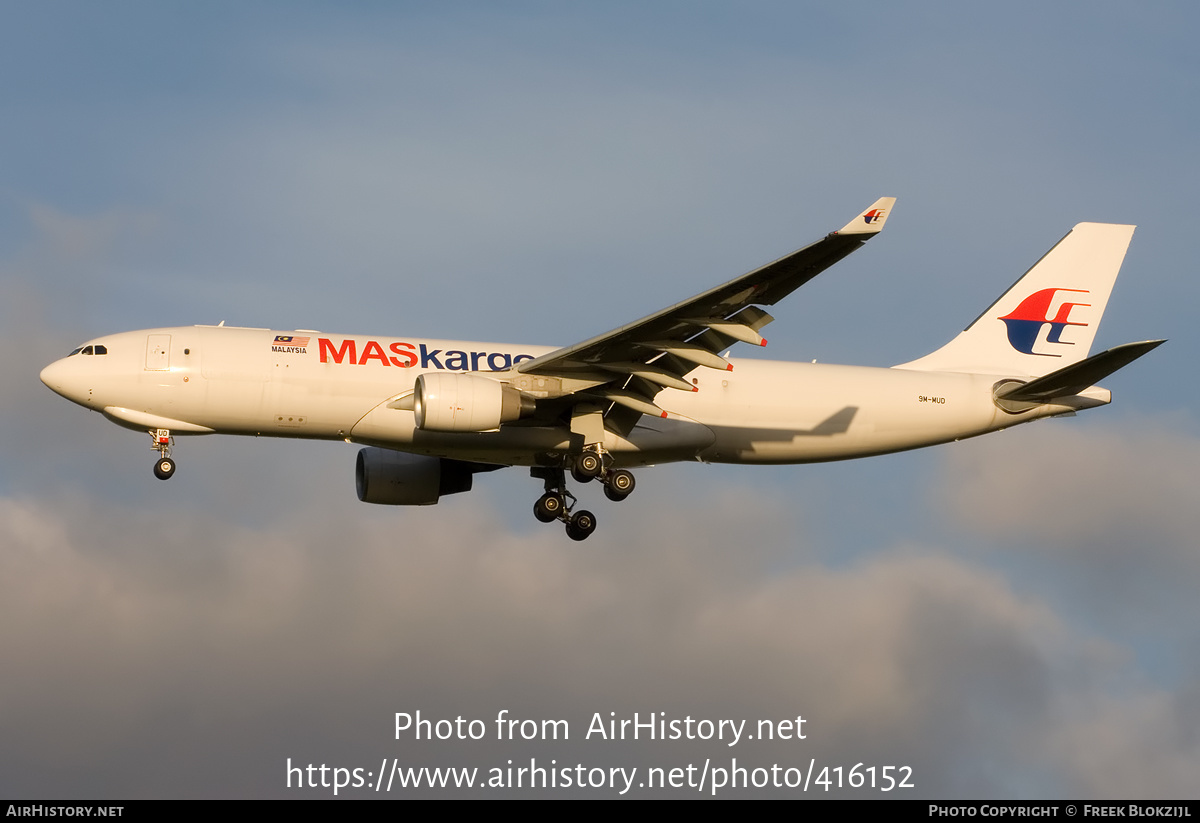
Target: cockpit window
[(89, 350)]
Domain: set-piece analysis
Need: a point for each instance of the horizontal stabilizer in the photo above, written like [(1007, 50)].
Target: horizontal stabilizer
[(1075, 378)]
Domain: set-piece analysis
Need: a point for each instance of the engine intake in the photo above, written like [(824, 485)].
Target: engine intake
[(466, 403)]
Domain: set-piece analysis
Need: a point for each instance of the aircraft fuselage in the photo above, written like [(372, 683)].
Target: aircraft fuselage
[(303, 384)]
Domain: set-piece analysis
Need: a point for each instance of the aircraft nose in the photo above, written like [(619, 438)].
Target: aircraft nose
[(57, 377), (49, 375)]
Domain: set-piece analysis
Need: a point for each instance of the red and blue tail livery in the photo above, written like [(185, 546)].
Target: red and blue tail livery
[(1028, 319), (1048, 319)]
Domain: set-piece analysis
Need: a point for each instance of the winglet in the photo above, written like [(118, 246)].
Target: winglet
[(870, 221)]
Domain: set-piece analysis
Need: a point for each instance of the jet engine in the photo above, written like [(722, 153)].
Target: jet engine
[(466, 403), (399, 479)]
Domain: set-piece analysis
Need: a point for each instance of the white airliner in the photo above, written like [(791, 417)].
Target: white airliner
[(431, 413)]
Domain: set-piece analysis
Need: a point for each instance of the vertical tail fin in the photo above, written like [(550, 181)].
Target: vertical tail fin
[(1049, 317)]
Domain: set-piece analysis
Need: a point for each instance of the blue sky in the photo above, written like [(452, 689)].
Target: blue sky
[(1011, 616)]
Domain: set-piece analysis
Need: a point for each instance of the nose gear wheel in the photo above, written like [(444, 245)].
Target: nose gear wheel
[(164, 466)]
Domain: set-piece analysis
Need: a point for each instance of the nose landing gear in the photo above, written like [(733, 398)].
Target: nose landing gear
[(164, 466)]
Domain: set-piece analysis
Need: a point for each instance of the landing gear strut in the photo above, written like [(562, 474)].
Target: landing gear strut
[(553, 505), (164, 466), (595, 462), (557, 503)]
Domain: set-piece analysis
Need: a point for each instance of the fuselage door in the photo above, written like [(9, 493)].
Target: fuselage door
[(158, 352)]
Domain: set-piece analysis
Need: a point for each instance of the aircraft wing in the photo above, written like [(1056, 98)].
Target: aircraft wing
[(630, 365)]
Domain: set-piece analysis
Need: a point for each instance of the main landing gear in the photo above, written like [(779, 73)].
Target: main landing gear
[(164, 466), (592, 464)]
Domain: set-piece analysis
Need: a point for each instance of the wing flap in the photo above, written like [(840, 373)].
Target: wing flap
[(653, 374), (630, 400)]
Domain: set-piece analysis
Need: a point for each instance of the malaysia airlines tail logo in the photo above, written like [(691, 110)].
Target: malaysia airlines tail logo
[(1025, 322), (873, 216)]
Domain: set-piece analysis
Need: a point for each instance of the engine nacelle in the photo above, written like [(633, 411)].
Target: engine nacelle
[(466, 403), (399, 479)]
